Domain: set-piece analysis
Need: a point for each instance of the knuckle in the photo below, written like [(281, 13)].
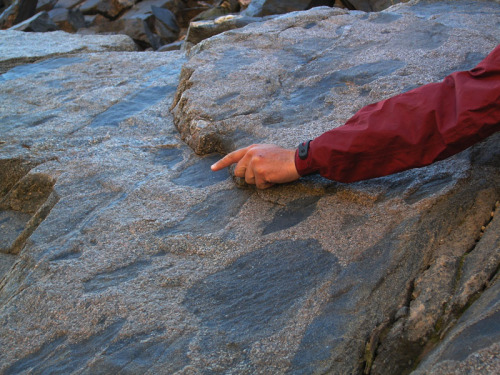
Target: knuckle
[(260, 169)]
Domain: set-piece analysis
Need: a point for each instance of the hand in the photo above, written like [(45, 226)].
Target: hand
[(261, 165)]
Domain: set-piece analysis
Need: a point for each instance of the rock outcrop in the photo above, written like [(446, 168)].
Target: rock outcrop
[(120, 252), (18, 47), (156, 24)]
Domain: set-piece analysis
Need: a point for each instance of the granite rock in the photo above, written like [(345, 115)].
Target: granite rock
[(38, 46), (123, 253), (201, 30)]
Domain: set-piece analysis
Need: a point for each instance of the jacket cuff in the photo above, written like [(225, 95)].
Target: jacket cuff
[(304, 166)]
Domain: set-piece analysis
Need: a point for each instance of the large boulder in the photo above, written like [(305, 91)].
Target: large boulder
[(288, 80), (122, 253)]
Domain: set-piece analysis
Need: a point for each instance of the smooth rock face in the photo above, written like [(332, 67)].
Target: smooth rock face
[(125, 254), (202, 30), (36, 46)]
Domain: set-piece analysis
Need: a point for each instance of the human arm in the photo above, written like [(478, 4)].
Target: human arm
[(412, 129), (406, 131)]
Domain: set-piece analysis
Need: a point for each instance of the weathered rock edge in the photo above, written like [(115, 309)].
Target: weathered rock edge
[(40, 46)]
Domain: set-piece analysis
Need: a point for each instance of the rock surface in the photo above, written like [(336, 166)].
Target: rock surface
[(18, 47), (288, 80), (201, 30), (152, 28), (123, 253)]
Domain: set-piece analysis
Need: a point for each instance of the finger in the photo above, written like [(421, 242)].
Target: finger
[(241, 168), (249, 174), (231, 158)]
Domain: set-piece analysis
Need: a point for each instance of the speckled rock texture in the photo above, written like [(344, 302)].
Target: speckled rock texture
[(120, 252), (18, 47)]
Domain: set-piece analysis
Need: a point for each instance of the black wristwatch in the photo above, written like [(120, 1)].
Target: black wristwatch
[(304, 150)]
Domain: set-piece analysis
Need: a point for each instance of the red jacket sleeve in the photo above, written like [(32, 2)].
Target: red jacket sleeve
[(412, 129)]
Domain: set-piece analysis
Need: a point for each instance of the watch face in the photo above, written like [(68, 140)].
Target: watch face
[(304, 150)]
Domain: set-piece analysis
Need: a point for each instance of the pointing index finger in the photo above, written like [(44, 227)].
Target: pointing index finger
[(231, 158)]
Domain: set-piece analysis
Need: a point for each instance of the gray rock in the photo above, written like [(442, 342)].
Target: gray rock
[(147, 5), (260, 8), (135, 24), (176, 46), (472, 346), (40, 22), (67, 19), (68, 4), (36, 46), (133, 258), (109, 8), (201, 30), (94, 20), (221, 8), (369, 56), (148, 27), (370, 5), (165, 24), (6, 262), (45, 5)]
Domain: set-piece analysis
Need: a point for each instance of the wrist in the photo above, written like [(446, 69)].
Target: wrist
[(303, 158)]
